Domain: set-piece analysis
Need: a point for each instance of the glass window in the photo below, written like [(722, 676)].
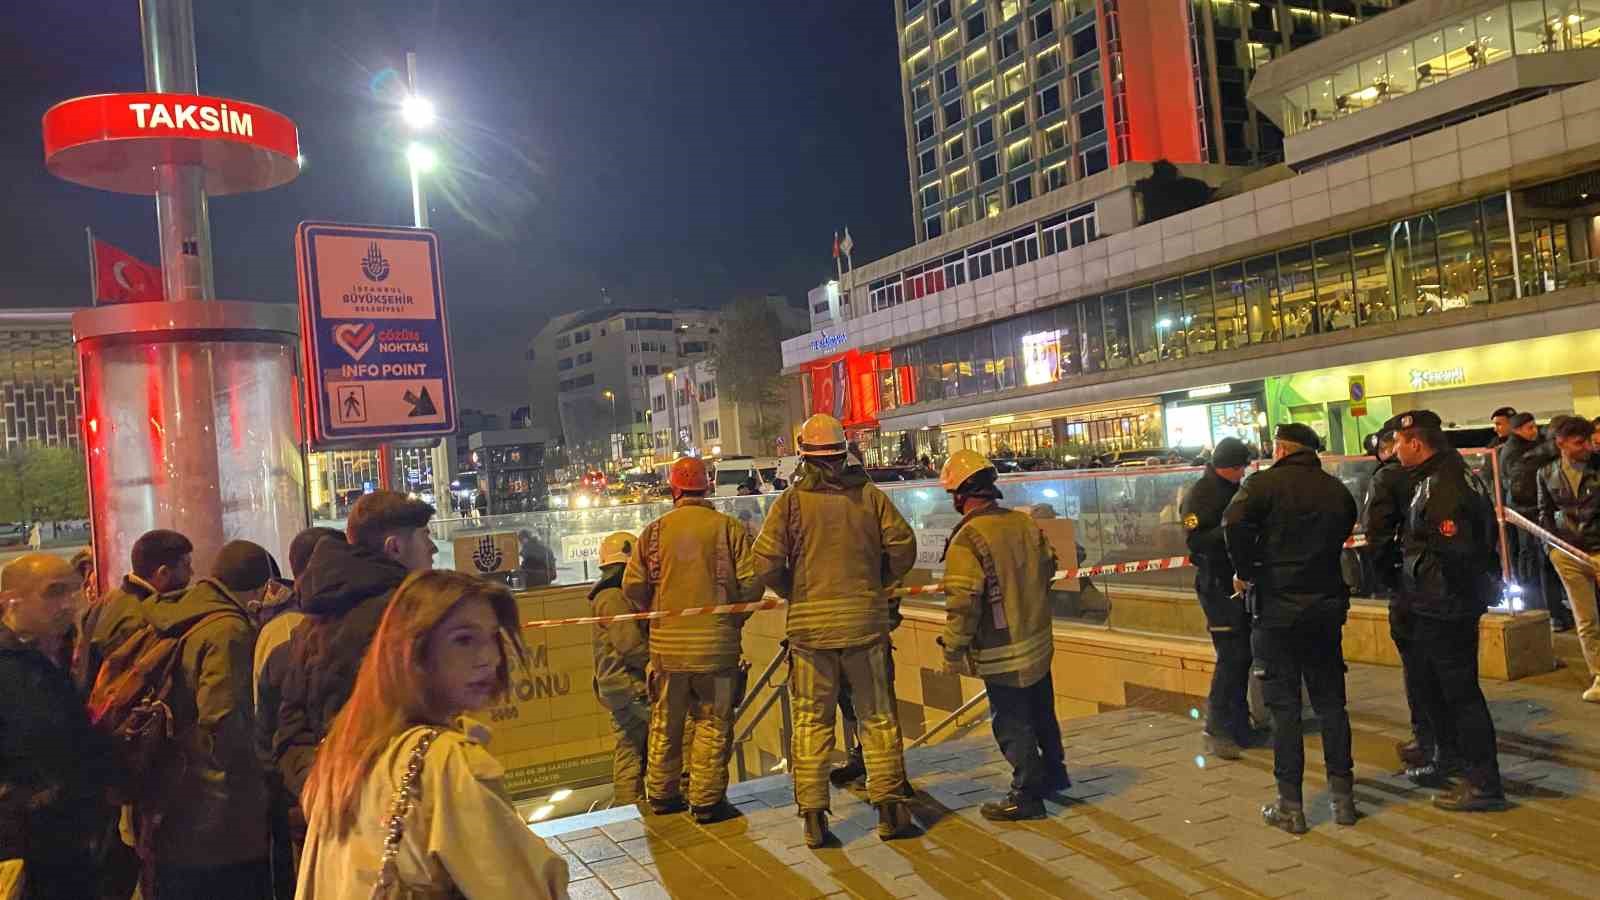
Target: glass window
[(1369, 260), (1018, 152), (924, 128), (1463, 273), (1065, 320), (1497, 239), (979, 263), (1114, 313), (1413, 247), (1461, 46), (1016, 117), (1005, 364), (1010, 44), (1232, 330), (1374, 77), (1054, 138), (1091, 121), (1037, 346), (959, 215), (983, 97), (920, 60), (949, 80), (933, 226), (1528, 29), (1056, 176), (930, 194), (989, 204), (949, 44), (1336, 308), (942, 12), (1022, 189), (1297, 291), (1494, 35), (1169, 320), (1083, 42), (927, 161), (921, 96), (983, 133), (1346, 82), (988, 168), (1093, 337), (1044, 23), (1085, 82), (1261, 298), (1009, 8), (1093, 161), (1399, 71), (983, 366), (966, 355), (977, 62), (1142, 321), (1047, 61), (1016, 78), (960, 180), (1198, 319), (1432, 63), (1320, 98), (952, 112), (955, 270), (1050, 100), (955, 148), (976, 26)]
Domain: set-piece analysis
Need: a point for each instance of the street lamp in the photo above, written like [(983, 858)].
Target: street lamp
[(422, 158), (612, 436), (417, 111)]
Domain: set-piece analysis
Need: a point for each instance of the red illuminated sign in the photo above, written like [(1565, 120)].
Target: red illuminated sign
[(111, 141)]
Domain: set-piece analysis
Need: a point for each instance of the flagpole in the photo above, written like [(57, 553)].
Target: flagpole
[(94, 268)]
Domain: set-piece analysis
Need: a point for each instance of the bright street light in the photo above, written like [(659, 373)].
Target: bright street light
[(421, 157), (417, 111)]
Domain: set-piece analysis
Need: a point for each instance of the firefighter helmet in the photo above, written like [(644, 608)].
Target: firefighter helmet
[(616, 548), (821, 435), (688, 473), (961, 466)]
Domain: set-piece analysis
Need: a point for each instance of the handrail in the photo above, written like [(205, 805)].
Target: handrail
[(947, 720), (766, 675), (779, 693)]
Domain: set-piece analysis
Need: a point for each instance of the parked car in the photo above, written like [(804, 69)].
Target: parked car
[(13, 533)]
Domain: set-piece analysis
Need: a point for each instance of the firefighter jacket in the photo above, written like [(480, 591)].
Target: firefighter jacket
[(831, 543), (689, 557), (1202, 524), (998, 567), (1451, 560), (621, 649)]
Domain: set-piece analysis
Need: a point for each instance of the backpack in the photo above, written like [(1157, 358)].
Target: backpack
[(129, 704)]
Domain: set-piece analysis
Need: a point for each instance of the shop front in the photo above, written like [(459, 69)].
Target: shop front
[(1200, 417), (853, 387), (1063, 434), (1545, 376)]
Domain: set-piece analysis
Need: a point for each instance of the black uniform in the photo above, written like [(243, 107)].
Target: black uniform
[(1520, 462), (1285, 531), (1449, 577), (1388, 498), (1227, 707)]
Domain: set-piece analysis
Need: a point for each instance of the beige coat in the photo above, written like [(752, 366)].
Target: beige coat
[(689, 557), (463, 834)]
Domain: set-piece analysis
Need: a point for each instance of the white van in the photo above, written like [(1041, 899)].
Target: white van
[(733, 471)]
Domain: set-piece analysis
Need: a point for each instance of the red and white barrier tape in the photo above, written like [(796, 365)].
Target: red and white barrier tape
[(1523, 522), (772, 601)]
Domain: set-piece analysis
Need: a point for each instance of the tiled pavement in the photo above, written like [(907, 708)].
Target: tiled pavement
[(1148, 817)]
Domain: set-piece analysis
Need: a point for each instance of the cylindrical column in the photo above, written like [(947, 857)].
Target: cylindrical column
[(167, 27)]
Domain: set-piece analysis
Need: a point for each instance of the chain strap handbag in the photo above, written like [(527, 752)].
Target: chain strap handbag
[(405, 799)]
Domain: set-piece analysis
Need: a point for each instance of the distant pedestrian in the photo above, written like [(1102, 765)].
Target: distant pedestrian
[(400, 767), (1501, 420), (537, 561), (1569, 506), (35, 537), (54, 768), (1521, 457)]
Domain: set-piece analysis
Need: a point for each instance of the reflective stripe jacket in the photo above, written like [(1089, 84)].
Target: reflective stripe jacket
[(997, 572), (831, 543), (689, 557), (621, 649)]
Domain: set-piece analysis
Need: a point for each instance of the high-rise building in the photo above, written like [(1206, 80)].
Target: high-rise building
[(38, 378), (1009, 100)]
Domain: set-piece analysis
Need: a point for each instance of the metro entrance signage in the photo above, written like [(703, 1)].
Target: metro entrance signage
[(374, 334)]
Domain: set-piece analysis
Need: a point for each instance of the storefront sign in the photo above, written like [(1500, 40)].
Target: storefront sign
[(1215, 390), (1424, 379), (826, 343)]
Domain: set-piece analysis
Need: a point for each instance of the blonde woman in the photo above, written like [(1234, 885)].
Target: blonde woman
[(441, 650)]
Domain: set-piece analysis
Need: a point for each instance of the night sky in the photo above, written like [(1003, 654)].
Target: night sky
[(669, 152)]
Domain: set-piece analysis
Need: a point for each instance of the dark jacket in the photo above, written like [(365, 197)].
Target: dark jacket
[(54, 768), (1520, 462), (1286, 529), (1208, 549), (107, 624), (1573, 516), (1382, 519), (1450, 546), (218, 810), (344, 592)]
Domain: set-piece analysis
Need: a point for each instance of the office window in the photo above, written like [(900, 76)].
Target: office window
[(990, 204), (1169, 331), (1010, 44), (988, 167), (1047, 61), (1261, 298), (955, 148), (1049, 100), (1198, 318), (983, 133), (1093, 161), (920, 61), (1144, 345), (942, 12), (928, 161), (950, 44), (921, 95), (976, 26), (563, 364), (977, 62), (924, 128), (982, 97), (1016, 78), (960, 180), (1497, 235), (959, 215), (1044, 23), (585, 358), (952, 112), (1297, 290), (1369, 260), (930, 194), (1336, 308), (955, 270), (1091, 121), (949, 80), (563, 342), (712, 429), (658, 403), (1018, 153), (1084, 42), (1092, 336), (1022, 190), (1081, 224), (708, 390), (1016, 117), (1053, 138), (1462, 279), (1009, 8), (581, 337), (1228, 285), (1085, 82)]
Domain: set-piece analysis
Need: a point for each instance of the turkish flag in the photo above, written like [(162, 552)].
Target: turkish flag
[(121, 277)]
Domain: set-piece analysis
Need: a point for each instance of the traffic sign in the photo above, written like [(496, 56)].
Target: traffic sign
[(374, 333), (1358, 396)]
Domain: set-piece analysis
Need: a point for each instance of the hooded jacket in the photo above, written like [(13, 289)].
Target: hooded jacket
[(831, 543), (344, 592), (108, 623), (997, 571), (218, 813), (1451, 551), (689, 557), (621, 649)]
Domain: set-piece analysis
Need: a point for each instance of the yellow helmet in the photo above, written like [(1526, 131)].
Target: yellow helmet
[(821, 435), (616, 548), (961, 465)]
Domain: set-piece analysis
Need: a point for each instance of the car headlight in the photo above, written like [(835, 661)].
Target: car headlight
[(583, 502)]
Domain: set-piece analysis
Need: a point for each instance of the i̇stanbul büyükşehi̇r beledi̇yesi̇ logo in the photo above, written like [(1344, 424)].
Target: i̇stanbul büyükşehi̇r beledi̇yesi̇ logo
[(373, 265)]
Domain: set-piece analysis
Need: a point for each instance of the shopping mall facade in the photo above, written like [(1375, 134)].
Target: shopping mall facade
[(1445, 257)]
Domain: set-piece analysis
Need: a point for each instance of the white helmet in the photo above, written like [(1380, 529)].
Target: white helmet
[(616, 548), (821, 435), (962, 465)]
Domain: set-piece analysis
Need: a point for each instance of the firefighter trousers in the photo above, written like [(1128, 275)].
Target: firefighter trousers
[(815, 679), (630, 725), (701, 704)]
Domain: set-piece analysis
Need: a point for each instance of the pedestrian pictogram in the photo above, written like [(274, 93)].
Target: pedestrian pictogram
[(421, 405), (352, 403)]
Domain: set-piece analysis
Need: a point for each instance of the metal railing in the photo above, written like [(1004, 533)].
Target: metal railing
[(947, 721), (779, 696)]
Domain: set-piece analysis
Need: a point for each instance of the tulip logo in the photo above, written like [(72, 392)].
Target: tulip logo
[(486, 556), (373, 265)]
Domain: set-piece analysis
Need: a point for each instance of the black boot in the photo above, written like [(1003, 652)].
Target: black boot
[(852, 774), (668, 805), (1281, 813), (816, 828), (1057, 780), (1343, 801), (1219, 746), (1015, 807), (894, 820), (716, 812)]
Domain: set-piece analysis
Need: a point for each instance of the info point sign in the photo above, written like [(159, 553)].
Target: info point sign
[(374, 334)]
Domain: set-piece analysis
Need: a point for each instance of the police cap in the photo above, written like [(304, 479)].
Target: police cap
[(1416, 418), (1299, 433), (1230, 453)]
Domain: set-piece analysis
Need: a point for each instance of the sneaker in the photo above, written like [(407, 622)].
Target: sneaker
[(1015, 807), (1465, 797), (716, 812), (816, 828), (894, 820), (852, 774), (667, 806), (1218, 746), (1290, 817), (1592, 695)]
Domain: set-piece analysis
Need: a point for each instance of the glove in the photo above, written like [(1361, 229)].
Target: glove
[(652, 682), (955, 662)]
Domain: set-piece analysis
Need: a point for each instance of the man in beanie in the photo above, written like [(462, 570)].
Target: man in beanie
[(1227, 707), (1285, 531)]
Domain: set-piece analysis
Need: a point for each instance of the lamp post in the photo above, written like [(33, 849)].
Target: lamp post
[(611, 436)]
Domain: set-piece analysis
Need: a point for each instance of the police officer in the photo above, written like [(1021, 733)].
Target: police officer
[(1285, 531), (998, 569), (833, 544), (1227, 707), (621, 655), (687, 558), (1449, 575)]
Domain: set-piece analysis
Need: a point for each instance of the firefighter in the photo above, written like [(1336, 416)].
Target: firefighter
[(689, 558), (833, 544), (998, 567), (621, 655)]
